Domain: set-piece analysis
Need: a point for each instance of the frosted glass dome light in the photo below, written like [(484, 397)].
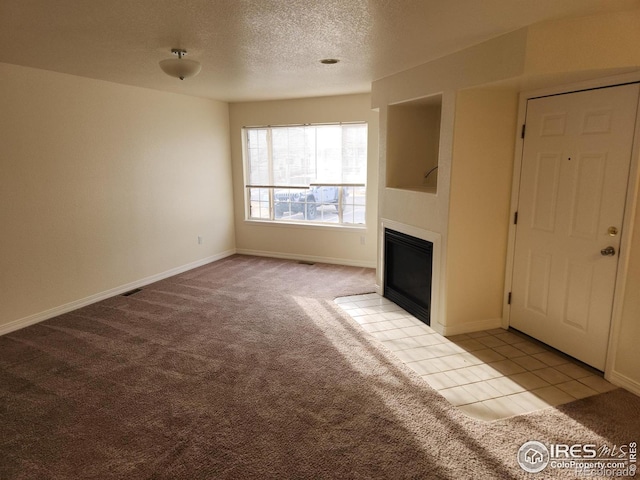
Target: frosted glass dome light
[(180, 67)]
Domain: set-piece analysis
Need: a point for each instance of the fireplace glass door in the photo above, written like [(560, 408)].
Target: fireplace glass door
[(407, 273)]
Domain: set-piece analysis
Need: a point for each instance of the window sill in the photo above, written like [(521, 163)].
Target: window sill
[(309, 226)]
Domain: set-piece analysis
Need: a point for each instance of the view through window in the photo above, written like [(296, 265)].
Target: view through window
[(307, 173)]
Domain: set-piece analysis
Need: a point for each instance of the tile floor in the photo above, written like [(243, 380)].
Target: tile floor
[(488, 375)]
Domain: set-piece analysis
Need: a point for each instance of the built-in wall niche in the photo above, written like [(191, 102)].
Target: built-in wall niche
[(413, 144)]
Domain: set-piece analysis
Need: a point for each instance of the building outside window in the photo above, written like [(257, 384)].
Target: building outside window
[(306, 173)]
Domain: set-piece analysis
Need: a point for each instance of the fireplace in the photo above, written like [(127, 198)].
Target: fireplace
[(408, 265)]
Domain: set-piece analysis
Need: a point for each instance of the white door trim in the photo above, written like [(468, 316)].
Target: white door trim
[(627, 224)]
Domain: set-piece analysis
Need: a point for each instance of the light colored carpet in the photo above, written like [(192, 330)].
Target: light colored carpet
[(245, 369)]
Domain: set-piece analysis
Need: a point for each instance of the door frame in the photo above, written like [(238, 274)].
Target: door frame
[(631, 204)]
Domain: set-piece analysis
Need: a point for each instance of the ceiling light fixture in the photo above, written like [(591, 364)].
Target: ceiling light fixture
[(180, 67), (329, 61)]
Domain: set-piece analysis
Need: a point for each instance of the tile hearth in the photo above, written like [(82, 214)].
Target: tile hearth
[(488, 375)]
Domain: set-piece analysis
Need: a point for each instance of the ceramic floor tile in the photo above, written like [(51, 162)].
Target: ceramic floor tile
[(418, 330), (440, 380), (477, 334), (428, 329), (413, 354), (370, 310), (355, 312), (505, 385), (480, 411), (487, 355), (576, 389), (507, 367), (392, 308), (529, 362), (597, 383), (458, 338), (458, 395), (491, 341), (443, 350), (429, 339), (553, 395), (529, 381), (470, 345), (488, 375), (461, 360), (455, 348), (485, 372), (552, 375), (379, 326), (444, 364), (371, 295), (529, 347), (387, 335), (455, 361), (347, 305), (505, 407), (399, 322), (550, 358), (395, 314), (404, 342), (426, 367), (463, 376), (369, 302), (483, 391), (346, 300), (470, 358), (407, 322), (434, 339), (529, 401), (509, 351), (374, 318), (509, 338), (574, 371), (497, 331)]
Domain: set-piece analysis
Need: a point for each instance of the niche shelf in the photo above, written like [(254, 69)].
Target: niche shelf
[(413, 144)]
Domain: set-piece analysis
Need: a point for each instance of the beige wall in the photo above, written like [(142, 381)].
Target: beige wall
[(104, 185), (481, 175), (353, 246), (413, 143), (604, 43), (492, 61)]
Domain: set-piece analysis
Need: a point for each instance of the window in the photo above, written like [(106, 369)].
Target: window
[(307, 173)]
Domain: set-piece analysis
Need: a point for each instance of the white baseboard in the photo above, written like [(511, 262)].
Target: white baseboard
[(83, 302), (469, 327), (308, 258), (623, 381)]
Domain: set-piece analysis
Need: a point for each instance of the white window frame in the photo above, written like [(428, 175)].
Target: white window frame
[(271, 187)]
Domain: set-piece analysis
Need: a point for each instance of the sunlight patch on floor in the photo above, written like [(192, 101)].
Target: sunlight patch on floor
[(488, 375)]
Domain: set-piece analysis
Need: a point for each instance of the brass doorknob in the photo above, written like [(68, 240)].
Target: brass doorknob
[(608, 252)]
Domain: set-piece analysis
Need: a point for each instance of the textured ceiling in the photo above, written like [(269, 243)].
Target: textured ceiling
[(260, 49)]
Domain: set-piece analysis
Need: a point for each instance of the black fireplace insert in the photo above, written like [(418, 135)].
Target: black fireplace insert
[(408, 266)]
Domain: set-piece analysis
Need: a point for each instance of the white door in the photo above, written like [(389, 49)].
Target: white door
[(575, 169)]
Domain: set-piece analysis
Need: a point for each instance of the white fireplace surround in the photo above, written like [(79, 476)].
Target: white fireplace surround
[(433, 237)]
